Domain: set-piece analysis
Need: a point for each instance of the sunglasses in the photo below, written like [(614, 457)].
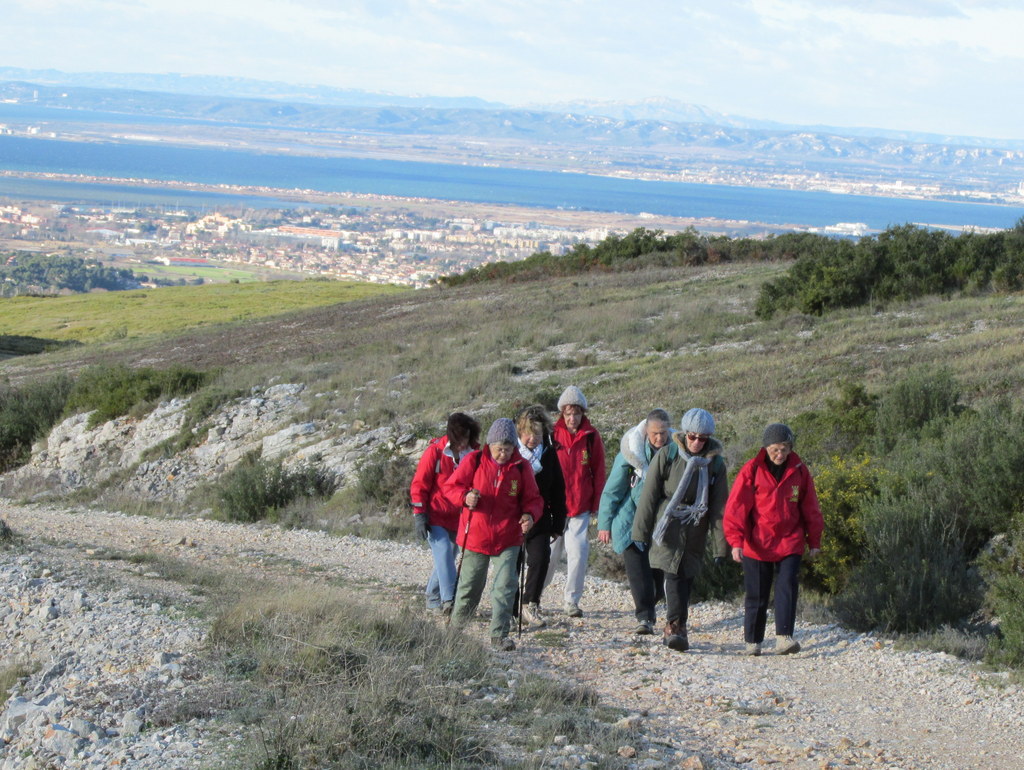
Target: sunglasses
[(697, 437)]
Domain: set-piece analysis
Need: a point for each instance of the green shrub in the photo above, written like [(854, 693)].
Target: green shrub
[(717, 581), (1003, 569), (914, 575), (113, 391), (26, 414), (845, 488), (382, 481), (845, 426), (256, 489), (916, 405)]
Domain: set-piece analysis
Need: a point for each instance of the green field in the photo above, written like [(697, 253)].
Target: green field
[(113, 315)]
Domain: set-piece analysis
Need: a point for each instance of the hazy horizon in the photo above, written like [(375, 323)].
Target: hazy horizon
[(948, 67)]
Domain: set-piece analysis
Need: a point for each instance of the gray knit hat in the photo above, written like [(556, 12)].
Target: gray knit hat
[(778, 433), (572, 395), (502, 431), (697, 421)]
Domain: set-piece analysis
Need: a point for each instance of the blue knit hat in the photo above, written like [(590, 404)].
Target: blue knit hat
[(697, 421), (502, 431)]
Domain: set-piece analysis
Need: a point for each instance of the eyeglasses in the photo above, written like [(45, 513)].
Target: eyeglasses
[(696, 437)]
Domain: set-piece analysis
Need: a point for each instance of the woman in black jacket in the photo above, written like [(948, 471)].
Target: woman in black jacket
[(536, 445)]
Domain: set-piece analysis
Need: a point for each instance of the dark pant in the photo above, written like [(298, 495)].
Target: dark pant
[(757, 581), (677, 597), (538, 556), (644, 582)]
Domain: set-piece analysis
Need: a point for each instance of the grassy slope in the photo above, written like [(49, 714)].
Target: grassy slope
[(632, 341), (108, 315)]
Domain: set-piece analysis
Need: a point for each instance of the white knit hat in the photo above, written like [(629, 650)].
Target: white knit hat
[(572, 396)]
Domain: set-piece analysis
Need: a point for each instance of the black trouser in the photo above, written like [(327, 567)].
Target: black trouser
[(538, 555), (757, 582), (677, 596), (645, 584)]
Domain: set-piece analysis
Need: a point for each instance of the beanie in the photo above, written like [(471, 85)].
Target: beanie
[(697, 421), (778, 433), (572, 395), (502, 431)]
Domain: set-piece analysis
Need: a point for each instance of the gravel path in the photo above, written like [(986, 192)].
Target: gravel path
[(846, 700)]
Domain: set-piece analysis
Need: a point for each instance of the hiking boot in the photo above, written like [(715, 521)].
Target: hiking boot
[(503, 643), (533, 617), (786, 645), (447, 607), (754, 648), (674, 637), (644, 627), (573, 610)]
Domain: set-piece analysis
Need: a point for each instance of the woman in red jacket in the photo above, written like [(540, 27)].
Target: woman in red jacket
[(581, 454), (772, 516), (436, 516), (500, 503)]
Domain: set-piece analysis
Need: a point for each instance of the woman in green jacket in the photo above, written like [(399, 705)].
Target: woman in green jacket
[(682, 500)]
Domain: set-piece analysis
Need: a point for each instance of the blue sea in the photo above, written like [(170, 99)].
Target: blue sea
[(545, 189)]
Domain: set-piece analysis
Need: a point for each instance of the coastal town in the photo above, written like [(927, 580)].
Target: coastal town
[(358, 243)]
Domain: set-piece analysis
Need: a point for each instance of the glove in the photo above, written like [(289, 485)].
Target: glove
[(421, 525), (641, 547)]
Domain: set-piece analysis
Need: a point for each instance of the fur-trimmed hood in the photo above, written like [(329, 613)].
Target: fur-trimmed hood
[(633, 446)]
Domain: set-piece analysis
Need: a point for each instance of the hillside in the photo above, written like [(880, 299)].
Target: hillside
[(898, 408), (103, 316)]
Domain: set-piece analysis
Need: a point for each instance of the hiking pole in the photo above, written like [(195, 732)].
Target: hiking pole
[(465, 539), (522, 585)]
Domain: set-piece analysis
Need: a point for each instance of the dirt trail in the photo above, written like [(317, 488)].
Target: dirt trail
[(846, 700)]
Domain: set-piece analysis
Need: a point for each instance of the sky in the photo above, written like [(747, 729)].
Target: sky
[(943, 66)]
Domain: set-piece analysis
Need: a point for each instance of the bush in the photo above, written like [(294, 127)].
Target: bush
[(113, 391), (916, 405), (256, 489), (845, 488), (845, 427), (26, 415), (383, 479), (914, 575), (1003, 569)]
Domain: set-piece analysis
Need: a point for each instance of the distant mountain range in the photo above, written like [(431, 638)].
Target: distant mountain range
[(648, 131), (657, 109)]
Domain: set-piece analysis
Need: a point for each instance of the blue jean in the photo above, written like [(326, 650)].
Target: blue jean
[(441, 585)]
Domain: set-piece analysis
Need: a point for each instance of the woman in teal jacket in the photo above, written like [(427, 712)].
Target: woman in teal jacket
[(621, 493)]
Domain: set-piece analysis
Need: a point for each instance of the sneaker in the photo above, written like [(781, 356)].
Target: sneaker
[(674, 637), (573, 610), (754, 648), (503, 643), (786, 645), (644, 627), (533, 617), (447, 607)]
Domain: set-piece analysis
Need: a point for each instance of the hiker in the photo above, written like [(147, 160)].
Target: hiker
[(581, 454), (500, 504), (771, 517), (615, 515), (536, 446), (682, 500), (435, 515)]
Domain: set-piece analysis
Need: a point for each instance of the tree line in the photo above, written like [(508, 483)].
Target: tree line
[(26, 273), (901, 263)]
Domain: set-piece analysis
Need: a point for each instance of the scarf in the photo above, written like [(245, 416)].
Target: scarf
[(532, 456), (686, 514)]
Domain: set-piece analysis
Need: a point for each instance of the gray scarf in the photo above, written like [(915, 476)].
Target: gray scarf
[(686, 514)]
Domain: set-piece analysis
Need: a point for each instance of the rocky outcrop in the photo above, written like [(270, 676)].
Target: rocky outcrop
[(271, 422)]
